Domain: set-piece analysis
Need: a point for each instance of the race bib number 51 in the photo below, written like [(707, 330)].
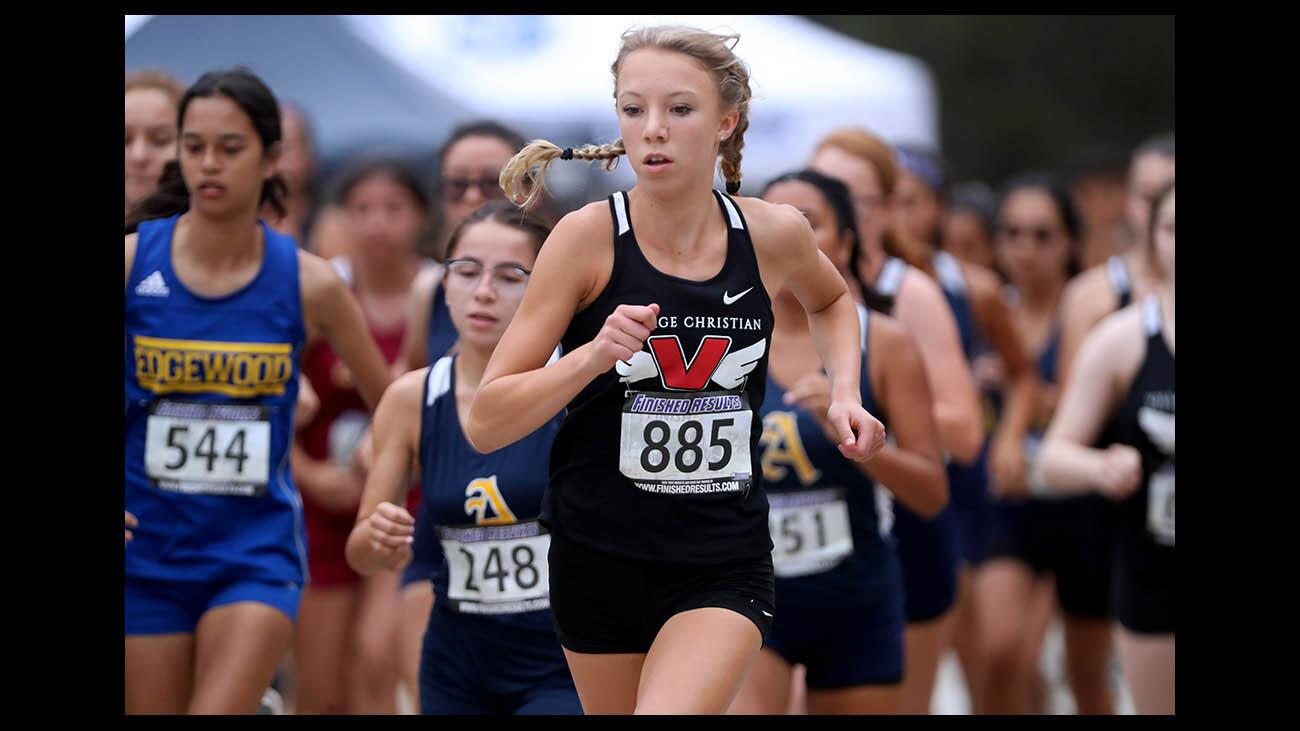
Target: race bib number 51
[(209, 449), (810, 531), (686, 444)]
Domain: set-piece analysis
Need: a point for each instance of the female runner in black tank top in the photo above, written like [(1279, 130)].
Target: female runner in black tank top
[(1122, 393), (660, 563), (1128, 275)]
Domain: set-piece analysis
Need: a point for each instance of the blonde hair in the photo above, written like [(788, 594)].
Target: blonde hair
[(880, 156), (714, 51)]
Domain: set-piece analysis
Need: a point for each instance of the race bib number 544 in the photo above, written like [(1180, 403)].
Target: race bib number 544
[(686, 444), (210, 449)]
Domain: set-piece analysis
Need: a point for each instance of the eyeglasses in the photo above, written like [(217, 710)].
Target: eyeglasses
[(506, 278), (1041, 235), (454, 189)]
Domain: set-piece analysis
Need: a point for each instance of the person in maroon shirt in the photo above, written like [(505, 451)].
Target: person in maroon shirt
[(346, 649)]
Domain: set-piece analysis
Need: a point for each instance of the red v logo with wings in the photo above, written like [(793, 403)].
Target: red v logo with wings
[(676, 373)]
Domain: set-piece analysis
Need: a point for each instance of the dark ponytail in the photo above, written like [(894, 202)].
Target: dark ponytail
[(245, 89), (837, 196)]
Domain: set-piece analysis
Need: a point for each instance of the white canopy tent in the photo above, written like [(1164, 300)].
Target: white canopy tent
[(553, 72), (547, 75)]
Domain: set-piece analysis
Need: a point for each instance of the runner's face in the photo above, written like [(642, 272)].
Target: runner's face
[(872, 208), (385, 218), (833, 242), (483, 281), (222, 158), (472, 160), (918, 207), (1032, 244), (670, 117), (296, 161), (1164, 238), (1148, 175), (150, 140), (964, 237)]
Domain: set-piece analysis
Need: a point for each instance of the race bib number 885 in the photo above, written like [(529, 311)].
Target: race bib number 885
[(686, 444), (210, 449)]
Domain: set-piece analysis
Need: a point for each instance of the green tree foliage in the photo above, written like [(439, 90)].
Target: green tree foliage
[(1019, 92)]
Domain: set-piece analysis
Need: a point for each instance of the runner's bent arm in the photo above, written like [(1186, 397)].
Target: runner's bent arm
[(1068, 461), (378, 539), (913, 470), (517, 394)]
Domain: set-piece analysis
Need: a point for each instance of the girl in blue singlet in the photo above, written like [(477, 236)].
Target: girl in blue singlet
[(218, 309), (839, 583), (489, 647)]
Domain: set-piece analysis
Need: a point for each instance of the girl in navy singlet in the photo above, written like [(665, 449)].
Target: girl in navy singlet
[(1044, 551), (660, 558), (488, 647), (839, 583), (469, 165), (975, 295), (1121, 399), (218, 309), (930, 550)]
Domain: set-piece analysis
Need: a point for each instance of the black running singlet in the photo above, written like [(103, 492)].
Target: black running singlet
[(1145, 421), (658, 458)]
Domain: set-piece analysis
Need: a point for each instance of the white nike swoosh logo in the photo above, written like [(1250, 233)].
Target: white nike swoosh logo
[(727, 299), (765, 613)]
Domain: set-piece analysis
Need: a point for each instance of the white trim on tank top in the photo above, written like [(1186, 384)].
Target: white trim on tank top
[(863, 313), (439, 380), (731, 212), (620, 212), (891, 276), (1118, 274), (949, 272), (1151, 314)]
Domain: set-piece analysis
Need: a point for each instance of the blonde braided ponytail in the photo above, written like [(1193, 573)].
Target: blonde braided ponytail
[(519, 181)]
